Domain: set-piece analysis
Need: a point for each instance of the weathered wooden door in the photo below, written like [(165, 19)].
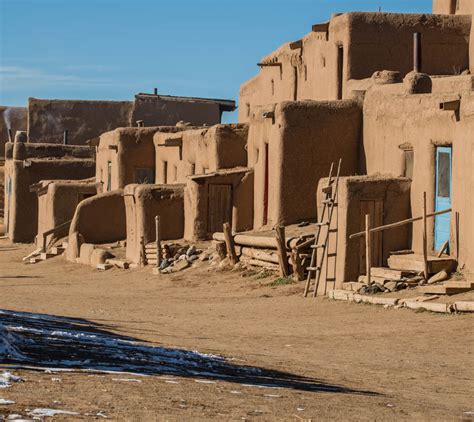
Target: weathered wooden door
[(219, 207), (375, 210), (443, 195)]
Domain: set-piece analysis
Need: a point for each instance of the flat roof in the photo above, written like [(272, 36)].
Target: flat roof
[(225, 105)]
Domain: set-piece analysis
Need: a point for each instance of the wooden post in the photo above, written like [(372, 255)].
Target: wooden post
[(281, 248), (368, 250), (457, 235), (142, 251), (425, 239), (229, 241), (158, 241), (298, 270)]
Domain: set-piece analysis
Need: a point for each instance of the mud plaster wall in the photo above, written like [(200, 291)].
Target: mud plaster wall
[(101, 218), (127, 149), (142, 204), (84, 120), (162, 111), (21, 205), (203, 151), (13, 117), (393, 120), (196, 203), (369, 42), (395, 194), (303, 140), (464, 7), (57, 204)]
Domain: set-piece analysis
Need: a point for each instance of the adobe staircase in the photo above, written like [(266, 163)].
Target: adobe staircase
[(150, 253)]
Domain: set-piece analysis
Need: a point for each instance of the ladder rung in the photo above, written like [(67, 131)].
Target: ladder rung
[(332, 230), (318, 246), (330, 279), (328, 201), (326, 223), (313, 268), (330, 255)]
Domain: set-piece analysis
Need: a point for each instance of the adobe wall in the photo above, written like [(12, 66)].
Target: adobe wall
[(84, 120), (197, 202), (142, 204), (394, 121), (100, 219), (21, 205), (14, 118), (369, 42), (156, 110), (356, 195), (127, 149), (202, 151), (465, 7), (57, 202), (303, 139)]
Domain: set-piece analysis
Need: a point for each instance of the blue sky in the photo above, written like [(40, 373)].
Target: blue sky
[(112, 49)]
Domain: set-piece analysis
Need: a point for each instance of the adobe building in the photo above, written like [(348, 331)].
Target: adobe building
[(327, 63), (57, 202), (199, 151), (26, 165), (77, 121), (127, 155)]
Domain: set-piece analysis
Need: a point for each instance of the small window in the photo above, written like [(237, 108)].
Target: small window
[(305, 72), (408, 163), (248, 109), (175, 173), (109, 176), (458, 4), (144, 175), (193, 169), (273, 87), (165, 172)]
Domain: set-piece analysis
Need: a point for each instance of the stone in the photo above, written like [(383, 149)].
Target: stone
[(383, 77), (99, 256), (437, 278), (191, 250), (391, 286), (104, 267), (192, 258), (417, 83), (181, 265)]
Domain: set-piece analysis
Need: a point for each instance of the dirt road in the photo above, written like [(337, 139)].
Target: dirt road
[(322, 360)]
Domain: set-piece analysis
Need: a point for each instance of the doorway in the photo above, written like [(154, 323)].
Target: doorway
[(265, 188), (340, 71), (375, 210), (219, 206), (443, 196)]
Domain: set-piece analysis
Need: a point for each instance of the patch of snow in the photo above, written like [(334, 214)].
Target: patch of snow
[(5, 402), (43, 412), (126, 379), (7, 378)]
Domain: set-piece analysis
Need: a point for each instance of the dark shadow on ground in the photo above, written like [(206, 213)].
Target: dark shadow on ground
[(47, 341)]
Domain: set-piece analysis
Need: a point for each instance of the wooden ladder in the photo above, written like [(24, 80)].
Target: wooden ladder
[(317, 259)]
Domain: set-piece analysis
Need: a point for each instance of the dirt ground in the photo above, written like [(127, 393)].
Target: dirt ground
[(362, 362)]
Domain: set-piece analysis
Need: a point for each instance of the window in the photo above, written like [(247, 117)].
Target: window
[(458, 4), (164, 176), (193, 169), (144, 175), (175, 173), (273, 87), (109, 176), (408, 163), (444, 175)]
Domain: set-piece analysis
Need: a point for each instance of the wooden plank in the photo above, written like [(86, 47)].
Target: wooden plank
[(425, 240), (443, 290), (158, 240), (219, 206), (389, 274), (259, 254)]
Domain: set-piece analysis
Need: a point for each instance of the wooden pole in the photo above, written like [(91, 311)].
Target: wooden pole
[(229, 241), (425, 239), (368, 251), (158, 241), (281, 248), (399, 223), (142, 251), (297, 264), (457, 235)]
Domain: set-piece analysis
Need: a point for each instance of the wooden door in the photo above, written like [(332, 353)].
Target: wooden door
[(219, 207), (375, 210)]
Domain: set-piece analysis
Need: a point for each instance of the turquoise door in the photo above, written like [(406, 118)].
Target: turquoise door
[(443, 195)]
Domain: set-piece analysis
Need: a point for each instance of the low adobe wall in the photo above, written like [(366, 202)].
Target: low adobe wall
[(101, 218), (205, 213), (296, 148), (57, 202), (387, 200), (21, 204), (199, 151), (84, 120), (142, 204)]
